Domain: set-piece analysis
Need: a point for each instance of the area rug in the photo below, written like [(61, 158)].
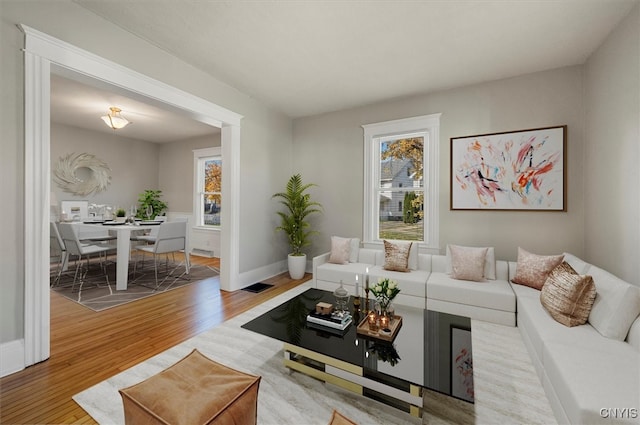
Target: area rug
[(293, 398), (99, 293)]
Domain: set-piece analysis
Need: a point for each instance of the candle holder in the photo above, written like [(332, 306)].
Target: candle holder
[(366, 290), (356, 296), (372, 320), (384, 322)]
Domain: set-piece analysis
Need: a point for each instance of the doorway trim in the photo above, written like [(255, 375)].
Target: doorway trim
[(45, 55)]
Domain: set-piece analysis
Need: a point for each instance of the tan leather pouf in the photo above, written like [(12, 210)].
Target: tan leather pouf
[(194, 391)]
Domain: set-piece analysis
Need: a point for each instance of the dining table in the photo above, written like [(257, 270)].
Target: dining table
[(123, 233)]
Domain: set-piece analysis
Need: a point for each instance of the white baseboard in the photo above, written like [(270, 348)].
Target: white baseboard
[(258, 275), (11, 357)]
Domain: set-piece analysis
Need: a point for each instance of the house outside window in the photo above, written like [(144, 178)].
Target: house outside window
[(401, 180), (208, 187)]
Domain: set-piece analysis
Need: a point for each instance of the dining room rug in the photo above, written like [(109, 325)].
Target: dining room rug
[(98, 292), (291, 398)]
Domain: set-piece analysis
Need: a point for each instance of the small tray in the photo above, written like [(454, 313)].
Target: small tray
[(363, 329)]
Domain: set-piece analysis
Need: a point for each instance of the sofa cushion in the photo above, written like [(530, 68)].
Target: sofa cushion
[(340, 250), (633, 338), (568, 296), (532, 269), (354, 251), (413, 283), (587, 380), (492, 294), (330, 272), (489, 264), (396, 256), (580, 266), (616, 306), (467, 263)]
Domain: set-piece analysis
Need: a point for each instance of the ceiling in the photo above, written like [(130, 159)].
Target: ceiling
[(311, 57), (81, 105)]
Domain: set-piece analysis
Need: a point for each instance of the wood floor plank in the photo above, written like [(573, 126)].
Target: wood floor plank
[(88, 347)]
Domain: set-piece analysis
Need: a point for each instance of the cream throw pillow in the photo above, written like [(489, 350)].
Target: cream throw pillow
[(467, 263), (489, 262), (340, 250), (568, 296), (532, 270), (396, 256)]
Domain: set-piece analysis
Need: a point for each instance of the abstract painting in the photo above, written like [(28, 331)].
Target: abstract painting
[(461, 364), (517, 170)]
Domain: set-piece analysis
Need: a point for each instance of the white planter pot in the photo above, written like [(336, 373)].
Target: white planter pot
[(297, 266)]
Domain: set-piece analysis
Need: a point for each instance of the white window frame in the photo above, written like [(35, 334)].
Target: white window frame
[(429, 125), (200, 156)]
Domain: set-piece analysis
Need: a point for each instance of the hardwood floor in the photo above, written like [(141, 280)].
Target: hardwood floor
[(88, 347)]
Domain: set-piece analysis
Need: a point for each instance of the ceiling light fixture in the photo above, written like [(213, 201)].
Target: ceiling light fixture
[(114, 120)]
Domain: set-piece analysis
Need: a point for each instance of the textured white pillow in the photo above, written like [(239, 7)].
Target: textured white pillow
[(616, 306), (340, 250), (467, 263), (489, 261)]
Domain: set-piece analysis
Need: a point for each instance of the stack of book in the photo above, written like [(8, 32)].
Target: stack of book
[(334, 320)]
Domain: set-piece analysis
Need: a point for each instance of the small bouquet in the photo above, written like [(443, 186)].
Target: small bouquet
[(385, 291)]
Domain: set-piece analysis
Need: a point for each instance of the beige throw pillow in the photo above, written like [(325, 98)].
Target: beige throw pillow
[(340, 250), (568, 296), (396, 256), (532, 270), (467, 263), (489, 261)]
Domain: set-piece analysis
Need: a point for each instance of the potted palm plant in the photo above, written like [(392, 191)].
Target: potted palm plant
[(294, 222)]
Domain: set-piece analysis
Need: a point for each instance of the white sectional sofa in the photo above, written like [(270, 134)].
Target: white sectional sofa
[(426, 285), (589, 378)]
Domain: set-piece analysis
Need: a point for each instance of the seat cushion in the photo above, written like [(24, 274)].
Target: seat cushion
[(587, 380), (493, 294), (410, 283), (336, 272)]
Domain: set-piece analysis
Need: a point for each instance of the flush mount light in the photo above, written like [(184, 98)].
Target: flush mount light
[(114, 120)]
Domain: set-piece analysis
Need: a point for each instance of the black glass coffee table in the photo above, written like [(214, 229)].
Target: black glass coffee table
[(432, 350)]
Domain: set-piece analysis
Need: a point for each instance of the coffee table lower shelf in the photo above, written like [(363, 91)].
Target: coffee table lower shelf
[(352, 378)]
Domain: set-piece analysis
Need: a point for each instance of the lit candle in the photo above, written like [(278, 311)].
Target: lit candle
[(384, 322), (366, 282), (372, 320)]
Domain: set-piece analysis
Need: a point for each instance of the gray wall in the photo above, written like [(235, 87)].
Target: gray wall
[(133, 163), (612, 154), (328, 149), (176, 170), (265, 161)]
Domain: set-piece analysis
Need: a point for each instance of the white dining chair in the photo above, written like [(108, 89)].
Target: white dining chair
[(171, 238), (151, 236), (57, 250), (74, 247)]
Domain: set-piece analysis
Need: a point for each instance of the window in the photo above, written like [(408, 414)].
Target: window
[(401, 180), (208, 187)]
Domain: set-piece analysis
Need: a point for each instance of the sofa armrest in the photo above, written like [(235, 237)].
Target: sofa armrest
[(317, 261)]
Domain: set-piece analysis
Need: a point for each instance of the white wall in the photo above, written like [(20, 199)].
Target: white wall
[(612, 154), (133, 163), (265, 133), (328, 150)]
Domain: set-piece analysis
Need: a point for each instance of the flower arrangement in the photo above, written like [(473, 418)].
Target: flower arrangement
[(385, 291)]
